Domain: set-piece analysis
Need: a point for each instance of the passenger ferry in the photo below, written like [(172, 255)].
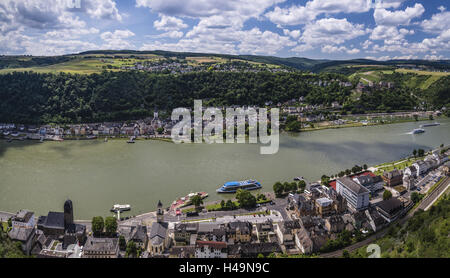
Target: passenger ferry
[(234, 186), (428, 125), (120, 208), (418, 130)]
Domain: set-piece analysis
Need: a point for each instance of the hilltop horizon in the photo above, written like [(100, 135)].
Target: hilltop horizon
[(317, 29)]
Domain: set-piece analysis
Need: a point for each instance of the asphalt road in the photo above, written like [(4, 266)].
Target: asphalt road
[(427, 201)]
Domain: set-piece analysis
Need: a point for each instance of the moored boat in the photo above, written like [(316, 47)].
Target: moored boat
[(120, 208), (428, 125), (234, 186), (187, 200)]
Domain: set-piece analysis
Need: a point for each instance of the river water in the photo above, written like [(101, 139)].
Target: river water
[(95, 175)]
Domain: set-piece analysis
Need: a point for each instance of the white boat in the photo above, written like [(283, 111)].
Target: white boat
[(120, 208), (418, 130)]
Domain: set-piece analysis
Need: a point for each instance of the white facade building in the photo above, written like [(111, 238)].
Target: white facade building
[(24, 218), (357, 196), (210, 249)]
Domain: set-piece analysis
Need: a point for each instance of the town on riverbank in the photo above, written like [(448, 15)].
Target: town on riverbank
[(296, 116), (300, 218)]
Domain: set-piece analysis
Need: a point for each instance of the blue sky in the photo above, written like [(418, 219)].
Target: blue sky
[(329, 29)]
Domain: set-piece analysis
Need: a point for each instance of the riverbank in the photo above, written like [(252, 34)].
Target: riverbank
[(366, 124)]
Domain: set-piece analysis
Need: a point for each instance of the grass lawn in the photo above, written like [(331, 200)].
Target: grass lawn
[(420, 72), (4, 226)]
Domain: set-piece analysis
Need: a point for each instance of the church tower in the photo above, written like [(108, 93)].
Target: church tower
[(68, 214), (160, 213)]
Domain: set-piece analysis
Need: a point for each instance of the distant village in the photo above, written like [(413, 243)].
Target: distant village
[(176, 66), (316, 219)]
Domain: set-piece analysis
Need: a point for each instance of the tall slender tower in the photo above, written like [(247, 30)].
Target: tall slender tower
[(160, 213), (68, 214)]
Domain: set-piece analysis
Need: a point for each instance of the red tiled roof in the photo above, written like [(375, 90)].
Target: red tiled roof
[(366, 173)]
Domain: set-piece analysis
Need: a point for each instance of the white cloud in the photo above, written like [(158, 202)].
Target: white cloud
[(328, 31), (337, 49), (386, 4), (395, 18), (169, 34), (438, 23), (169, 23), (206, 8), (295, 34), (104, 9), (117, 39), (297, 14), (390, 34), (294, 15)]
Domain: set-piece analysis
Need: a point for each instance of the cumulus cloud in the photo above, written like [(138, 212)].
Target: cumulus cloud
[(400, 17), (329, 31), (295, 34), (117, 39), (169, 23), (298, 14), (337, 49), (205, 8), (437, 23)]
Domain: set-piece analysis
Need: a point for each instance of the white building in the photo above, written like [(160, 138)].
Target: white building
[(373, 184), (24, 218), (357, 196), (210, 249), (421, 167)]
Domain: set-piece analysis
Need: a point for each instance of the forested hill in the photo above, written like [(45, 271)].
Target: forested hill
[(112, 96)]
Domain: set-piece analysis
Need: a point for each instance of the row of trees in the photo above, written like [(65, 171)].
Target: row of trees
[(282, 189), (107, 226), (419, 152)]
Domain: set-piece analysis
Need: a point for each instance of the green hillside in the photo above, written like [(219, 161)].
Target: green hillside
[(96, 61), (425, 235)]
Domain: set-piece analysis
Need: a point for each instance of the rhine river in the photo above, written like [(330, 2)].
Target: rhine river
[(95, 175)]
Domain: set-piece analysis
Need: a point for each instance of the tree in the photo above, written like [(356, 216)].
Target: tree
[(365, 166), (160, 130), (197, 201), (229, 205), (122, 243), (325, 180), (415, 152), (131, 250), (387, 195), (278, 189), (97, 225), (111, 225), (302, 184), (10, 222), (294, 126), (260, 256), (222, 204), (421, 152), (416, 117), (245, 199), (345, 254), (416, 197)]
